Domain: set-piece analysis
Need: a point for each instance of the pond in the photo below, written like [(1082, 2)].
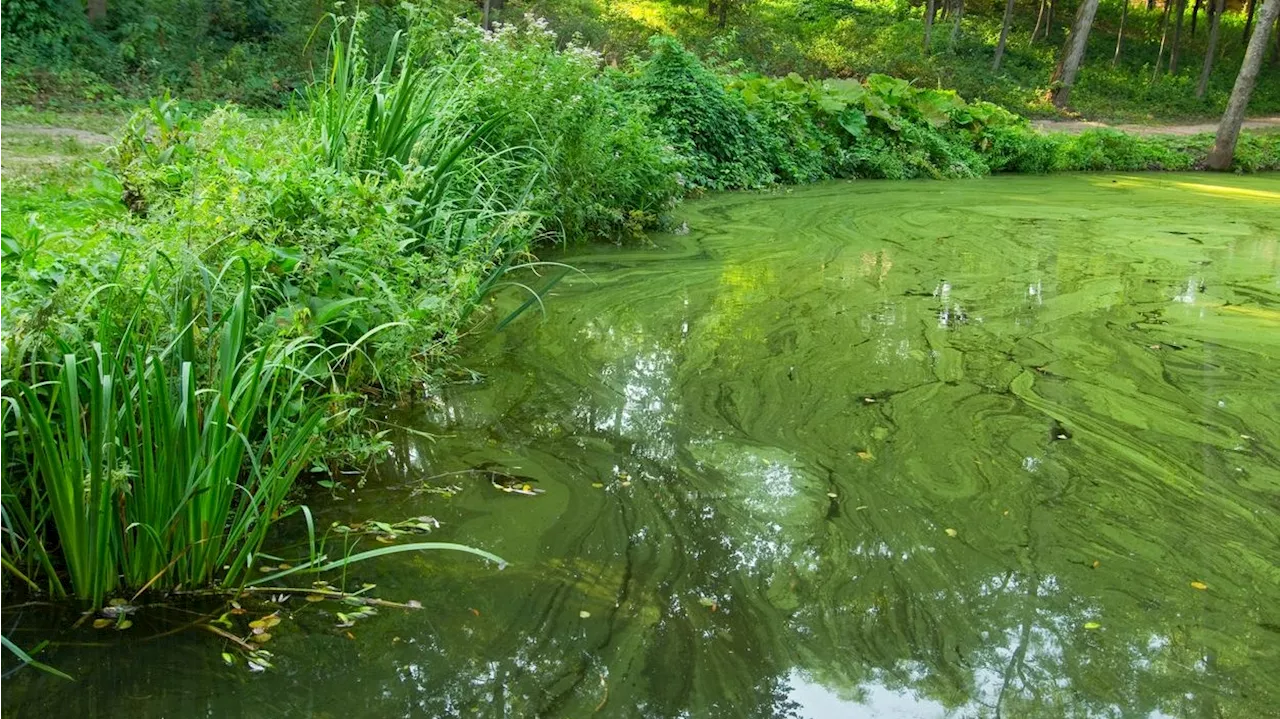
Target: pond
[(1005, 447)]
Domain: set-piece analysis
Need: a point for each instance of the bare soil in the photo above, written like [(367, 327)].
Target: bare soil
[(1077, 126)]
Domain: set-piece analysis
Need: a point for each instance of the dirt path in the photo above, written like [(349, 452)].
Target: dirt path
[(84, 137), (1075, 126)]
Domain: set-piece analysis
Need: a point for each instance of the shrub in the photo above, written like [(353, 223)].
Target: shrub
[(724, 143), (608, 174)]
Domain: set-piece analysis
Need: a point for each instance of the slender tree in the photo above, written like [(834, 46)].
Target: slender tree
[(929, 10), (1164, 36), (1195, 10), (1248, 20), (1004, 34), (1177, 38), (955, 23), (1224, 147), (1073, 53), (1035, 32), (1215, 24), (96, 9), (1124, 15)]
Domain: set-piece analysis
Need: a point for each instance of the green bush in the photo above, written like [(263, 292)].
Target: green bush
[(607, 173), (709, 125)]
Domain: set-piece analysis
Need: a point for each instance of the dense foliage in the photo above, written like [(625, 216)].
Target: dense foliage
[(856, 38), (176, 358)]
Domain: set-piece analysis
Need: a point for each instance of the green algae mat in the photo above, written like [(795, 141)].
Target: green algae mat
[(1007, 447)]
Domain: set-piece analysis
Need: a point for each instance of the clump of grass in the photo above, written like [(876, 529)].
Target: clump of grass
[(161, 467)]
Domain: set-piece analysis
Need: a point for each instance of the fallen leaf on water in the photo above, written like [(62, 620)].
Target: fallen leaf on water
[(475, 611), (597, 485), (413, 604), (1096, 564), (228, 657), (832, 495), (262, 638), (864, 455), (124, 624), (1092, 625), (951, 532), (584, 614), (264, 568), (1199, 585), (350, 635), (860, 507), (101, 623), (315, 598), (257, 624)]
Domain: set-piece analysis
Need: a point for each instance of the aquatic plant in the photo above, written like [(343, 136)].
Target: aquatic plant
[(160, 467)]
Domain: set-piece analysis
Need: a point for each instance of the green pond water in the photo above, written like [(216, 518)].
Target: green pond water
[(875, 449)]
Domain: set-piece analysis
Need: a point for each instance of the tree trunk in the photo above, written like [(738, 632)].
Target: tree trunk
[(1275, 54), (929, 10), (1039, 18), (1048, 18), (955, 25), (1073, 53), (1206, 70), (1124, 15), (724, 13), (1224, 147), (1004, 35), (1151, 5), (1177, 38), (97, 10), (1164, 36), (1195, 10), (1248, 20)]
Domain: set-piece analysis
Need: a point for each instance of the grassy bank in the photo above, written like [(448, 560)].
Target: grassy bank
[(195, 322)]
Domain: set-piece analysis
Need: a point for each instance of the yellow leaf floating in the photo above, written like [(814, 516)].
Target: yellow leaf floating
[(1092, 625), (584, 614), (864, 456), (951, 532), (124, 624), (597, 485), (315, 597), (1199, 585), (101, 623)]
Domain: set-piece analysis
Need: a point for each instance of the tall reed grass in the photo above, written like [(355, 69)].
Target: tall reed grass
[(159, 467)]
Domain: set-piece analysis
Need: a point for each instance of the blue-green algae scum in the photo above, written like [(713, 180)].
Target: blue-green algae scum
[(1007, 447)]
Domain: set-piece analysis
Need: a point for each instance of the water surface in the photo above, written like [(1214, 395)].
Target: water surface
[(872, 449)]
